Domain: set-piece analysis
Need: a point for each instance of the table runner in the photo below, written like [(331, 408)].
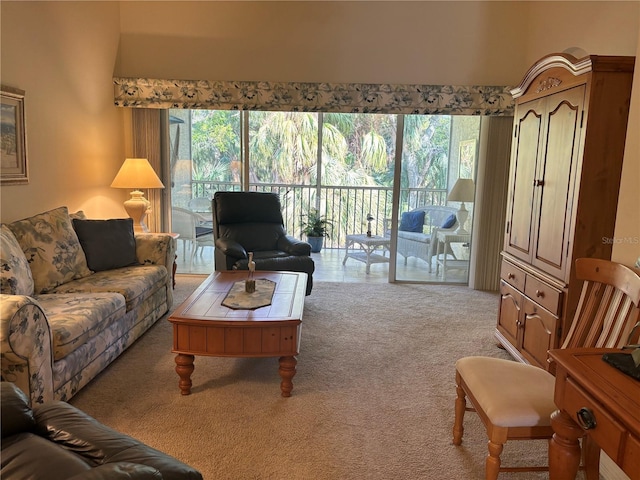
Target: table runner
[(239, 299)]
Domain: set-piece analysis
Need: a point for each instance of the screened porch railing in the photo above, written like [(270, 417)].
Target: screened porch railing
[(346, 207)]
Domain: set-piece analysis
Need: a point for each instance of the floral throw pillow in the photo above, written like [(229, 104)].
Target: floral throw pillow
[(51, 246), (15, 274), (80, 215)]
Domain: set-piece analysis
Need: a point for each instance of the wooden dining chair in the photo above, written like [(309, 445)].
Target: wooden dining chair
[(515, 400)]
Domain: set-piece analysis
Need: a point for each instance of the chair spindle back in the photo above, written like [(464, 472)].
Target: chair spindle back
[(606, 314)]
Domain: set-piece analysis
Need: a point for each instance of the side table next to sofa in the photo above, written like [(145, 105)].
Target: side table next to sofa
[(445, 239)]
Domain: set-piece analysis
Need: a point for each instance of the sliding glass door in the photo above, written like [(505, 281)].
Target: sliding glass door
[(343, 165), (437, 150)]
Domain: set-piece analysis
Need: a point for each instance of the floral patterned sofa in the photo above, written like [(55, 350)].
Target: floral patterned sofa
[(74, 294)]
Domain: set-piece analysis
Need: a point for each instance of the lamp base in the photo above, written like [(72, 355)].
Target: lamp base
[(462, 214), (137, 207)]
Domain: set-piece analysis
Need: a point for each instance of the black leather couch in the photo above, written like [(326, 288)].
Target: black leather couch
[(252, 222), (56, 441)]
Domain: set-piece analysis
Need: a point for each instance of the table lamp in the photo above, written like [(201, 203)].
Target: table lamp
[(462, 191), (137, 173)]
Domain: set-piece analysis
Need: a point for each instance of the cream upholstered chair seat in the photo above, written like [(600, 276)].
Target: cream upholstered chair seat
[(521, 404)]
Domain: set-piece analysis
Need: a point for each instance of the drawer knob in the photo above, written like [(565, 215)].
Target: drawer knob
[(539, 294), (511, 276), (586, 418)]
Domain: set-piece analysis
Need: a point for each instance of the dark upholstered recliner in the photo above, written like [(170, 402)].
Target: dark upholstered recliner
[(252, 222), (56, 441)]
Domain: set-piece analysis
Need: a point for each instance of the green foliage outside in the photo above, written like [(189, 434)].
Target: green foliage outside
[(357, 150), (315, 224), (215, 145)]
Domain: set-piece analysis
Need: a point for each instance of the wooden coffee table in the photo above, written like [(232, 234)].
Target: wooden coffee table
[(203, 326)]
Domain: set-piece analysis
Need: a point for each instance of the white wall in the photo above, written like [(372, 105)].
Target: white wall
[(439, 43), (445, 42), (64, 54), (627, 234), (599, 28)]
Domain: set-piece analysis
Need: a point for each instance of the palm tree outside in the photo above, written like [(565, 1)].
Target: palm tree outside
[(356, 172)]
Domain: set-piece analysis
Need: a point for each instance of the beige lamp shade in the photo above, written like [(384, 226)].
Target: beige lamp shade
[(463, 191), (137, 173)]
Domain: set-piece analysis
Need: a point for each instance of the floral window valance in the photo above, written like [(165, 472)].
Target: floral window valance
[(313, 97)]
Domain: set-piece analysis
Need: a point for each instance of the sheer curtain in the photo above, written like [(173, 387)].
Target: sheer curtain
[(492, 180), (145, 124)]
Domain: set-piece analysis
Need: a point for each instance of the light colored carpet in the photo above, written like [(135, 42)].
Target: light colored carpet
[(373, 396)]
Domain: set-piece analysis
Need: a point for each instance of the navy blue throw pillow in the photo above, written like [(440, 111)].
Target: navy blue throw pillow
[(450, 221), (107, 244), (412, 221)]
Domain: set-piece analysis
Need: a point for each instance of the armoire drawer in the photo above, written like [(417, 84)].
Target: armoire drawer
[(512, 275), (543, 294)]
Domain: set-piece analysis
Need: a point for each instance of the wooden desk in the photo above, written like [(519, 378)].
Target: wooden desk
[(585, 381)]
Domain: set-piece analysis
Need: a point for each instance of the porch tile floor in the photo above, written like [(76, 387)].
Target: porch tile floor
[(329, 268)]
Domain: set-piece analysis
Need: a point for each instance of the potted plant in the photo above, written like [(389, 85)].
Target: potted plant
[(315, 227)]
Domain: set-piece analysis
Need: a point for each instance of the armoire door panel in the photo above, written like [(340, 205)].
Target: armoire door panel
[(557, 164), (518, 237)]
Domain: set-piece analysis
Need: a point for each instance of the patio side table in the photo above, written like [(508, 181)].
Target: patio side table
[(367, 251), (445, 239)]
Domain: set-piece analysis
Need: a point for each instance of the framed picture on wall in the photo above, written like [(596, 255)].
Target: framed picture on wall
[(467, 158), (13, 145)]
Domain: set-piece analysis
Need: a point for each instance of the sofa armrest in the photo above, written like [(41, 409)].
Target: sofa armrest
[(294, 246), (156, 249), (66, 425), (26, 347)]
